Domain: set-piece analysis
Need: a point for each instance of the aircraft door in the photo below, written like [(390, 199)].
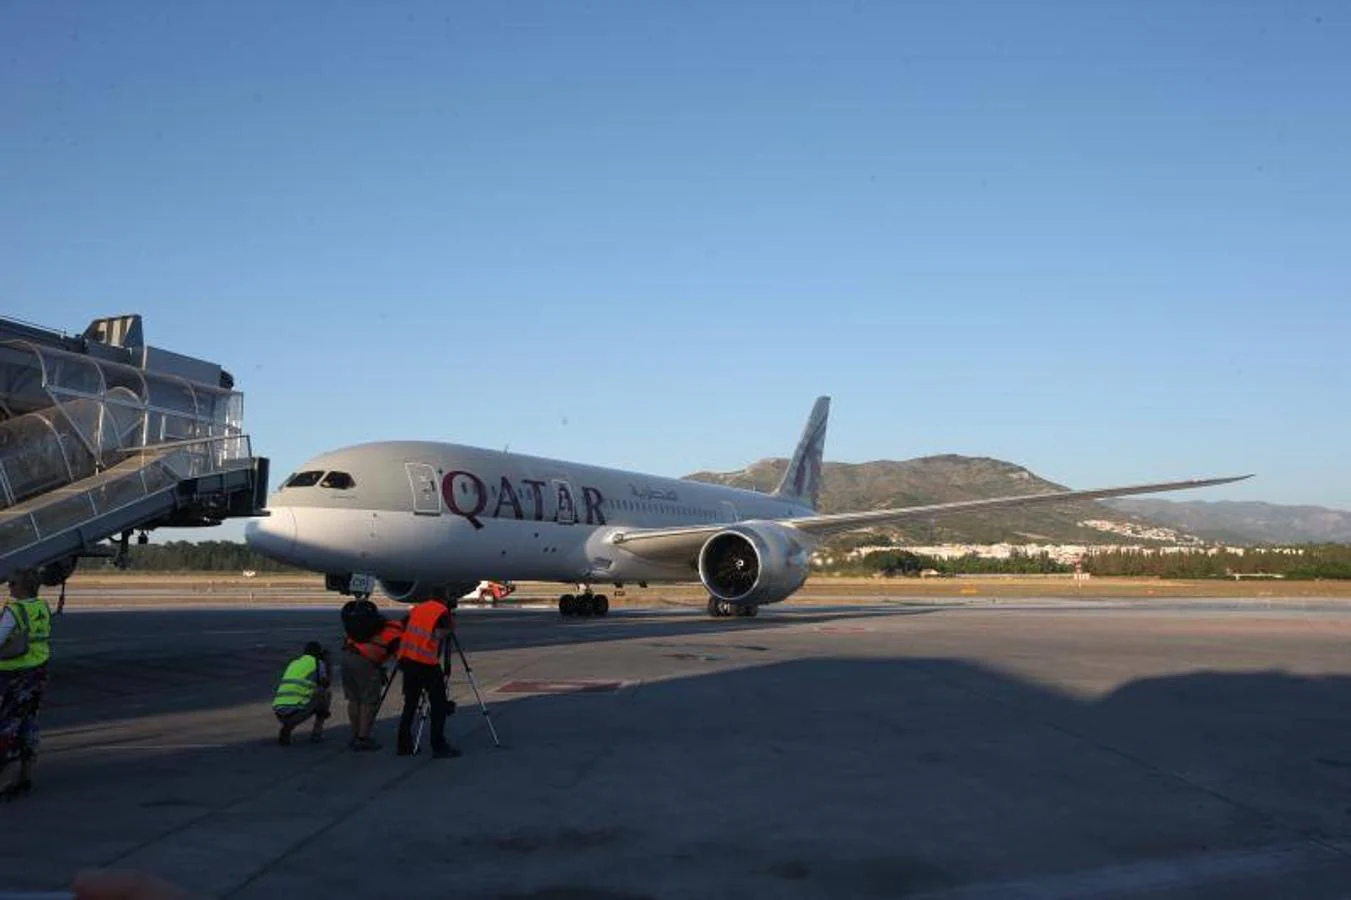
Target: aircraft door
[(729, 512), (565, 502), (426, 496)]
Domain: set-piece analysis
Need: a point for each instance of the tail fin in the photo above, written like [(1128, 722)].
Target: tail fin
[(802, 481)]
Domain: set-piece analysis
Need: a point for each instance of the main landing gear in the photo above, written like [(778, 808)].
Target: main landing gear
[(584, 604), (719, 609)]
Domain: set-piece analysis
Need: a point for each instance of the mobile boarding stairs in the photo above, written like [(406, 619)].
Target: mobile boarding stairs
[(101, 436)]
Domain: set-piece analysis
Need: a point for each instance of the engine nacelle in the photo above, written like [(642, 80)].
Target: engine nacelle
[(753, 563), (402, 591)]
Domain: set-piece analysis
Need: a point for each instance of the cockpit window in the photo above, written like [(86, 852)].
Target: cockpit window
[(339, 481), (303, 479)]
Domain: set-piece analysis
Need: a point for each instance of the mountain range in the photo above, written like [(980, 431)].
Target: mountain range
[(942, 479), (1243, 522)]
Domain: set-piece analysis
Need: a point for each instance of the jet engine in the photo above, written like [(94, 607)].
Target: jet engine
[(753, 563), (404, 591)]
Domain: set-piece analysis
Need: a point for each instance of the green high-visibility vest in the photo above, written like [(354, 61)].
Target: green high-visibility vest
[(33, 621), (298, 682)]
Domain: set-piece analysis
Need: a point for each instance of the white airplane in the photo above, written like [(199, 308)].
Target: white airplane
[(431, 519)]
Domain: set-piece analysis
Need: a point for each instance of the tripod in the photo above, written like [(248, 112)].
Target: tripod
[(389, 683), (424, 706)]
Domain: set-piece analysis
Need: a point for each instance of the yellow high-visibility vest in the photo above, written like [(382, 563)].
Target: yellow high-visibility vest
[(298, 682), (32, 621)]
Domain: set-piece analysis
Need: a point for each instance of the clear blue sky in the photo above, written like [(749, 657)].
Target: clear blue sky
[(1109, 242)]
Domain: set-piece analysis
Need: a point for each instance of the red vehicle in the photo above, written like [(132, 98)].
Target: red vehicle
[(491, 591)]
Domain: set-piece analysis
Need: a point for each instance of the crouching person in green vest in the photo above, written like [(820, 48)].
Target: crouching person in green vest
[(25, 629), (303, 693)]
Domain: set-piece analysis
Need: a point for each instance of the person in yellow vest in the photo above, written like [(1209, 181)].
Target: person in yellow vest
[(25, 630), (302, 693)]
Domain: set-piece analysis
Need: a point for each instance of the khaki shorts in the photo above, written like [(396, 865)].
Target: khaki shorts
[(361, 681)]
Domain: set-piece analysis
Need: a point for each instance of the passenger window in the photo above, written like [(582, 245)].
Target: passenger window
[(303, 479), (338, 481)]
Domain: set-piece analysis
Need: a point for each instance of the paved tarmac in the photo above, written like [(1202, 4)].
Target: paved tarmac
[(1024, 749)]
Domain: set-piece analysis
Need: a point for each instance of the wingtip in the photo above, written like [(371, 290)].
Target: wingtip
[(1230, 479)]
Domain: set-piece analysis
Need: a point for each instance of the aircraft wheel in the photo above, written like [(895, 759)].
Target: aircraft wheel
[(586, 605), (567, 605), (714, 607), (602, 605)]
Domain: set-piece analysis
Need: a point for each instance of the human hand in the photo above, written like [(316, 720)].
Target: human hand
[(119, 884)]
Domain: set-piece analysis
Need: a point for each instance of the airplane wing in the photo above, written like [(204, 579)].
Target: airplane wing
[(671, 544)]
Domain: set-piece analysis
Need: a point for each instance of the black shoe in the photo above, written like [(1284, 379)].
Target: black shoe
[(366, 745), (284, 736), (446, 752)]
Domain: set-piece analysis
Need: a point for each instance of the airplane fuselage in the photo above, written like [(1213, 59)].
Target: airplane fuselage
[(452, 514), (434, 519)]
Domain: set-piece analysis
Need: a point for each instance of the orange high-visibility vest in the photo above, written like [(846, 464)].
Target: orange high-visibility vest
[(379, 648), (418, 645)]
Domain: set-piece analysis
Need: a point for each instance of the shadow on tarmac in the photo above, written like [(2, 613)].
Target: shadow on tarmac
[(133, 663), (830, 776)]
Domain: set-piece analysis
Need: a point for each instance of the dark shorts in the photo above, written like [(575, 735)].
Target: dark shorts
[(294, 715), (20, 697), (361, 681)]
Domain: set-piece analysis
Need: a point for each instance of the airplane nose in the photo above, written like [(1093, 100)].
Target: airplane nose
[(273, 536)]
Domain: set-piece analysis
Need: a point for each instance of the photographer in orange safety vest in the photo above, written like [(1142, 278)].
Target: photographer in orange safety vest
[(371, 640), (420, 652)]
